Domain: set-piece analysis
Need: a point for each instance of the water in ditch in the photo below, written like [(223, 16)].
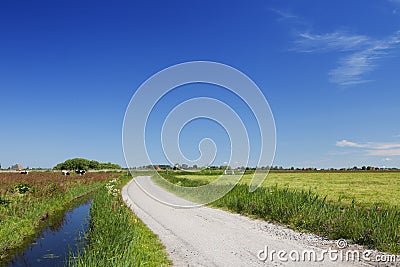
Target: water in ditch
[(62, 236)]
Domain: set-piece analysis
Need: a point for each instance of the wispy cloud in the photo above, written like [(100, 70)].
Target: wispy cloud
[(337, 41), (384, 152), (361, 53), (351, 69), (283, 15), (345, 143), (372, 145), (373, 148), (358, 54), (286, 16)]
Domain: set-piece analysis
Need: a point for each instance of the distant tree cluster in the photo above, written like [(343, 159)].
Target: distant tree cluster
[(85, 164)]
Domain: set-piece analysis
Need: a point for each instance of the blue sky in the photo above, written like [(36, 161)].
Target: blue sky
[(329, 70)]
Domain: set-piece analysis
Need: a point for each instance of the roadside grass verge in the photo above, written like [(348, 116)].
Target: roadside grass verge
[(28, 201), (116, 237), (376, 225)]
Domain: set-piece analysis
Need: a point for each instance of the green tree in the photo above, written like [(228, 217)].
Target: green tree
[(95, 165), (109, 165), (73, 164), (84, 164)]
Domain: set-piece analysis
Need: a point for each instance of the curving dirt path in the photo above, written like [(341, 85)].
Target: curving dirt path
[(211, 237)]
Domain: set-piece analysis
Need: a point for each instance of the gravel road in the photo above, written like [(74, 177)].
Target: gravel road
[(210, 237)]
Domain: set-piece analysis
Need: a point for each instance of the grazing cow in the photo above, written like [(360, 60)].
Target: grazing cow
[(24, 172), (63, 172), (81, 172)]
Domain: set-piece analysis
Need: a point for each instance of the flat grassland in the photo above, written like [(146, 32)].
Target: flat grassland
[(365, 188), (362, 207)]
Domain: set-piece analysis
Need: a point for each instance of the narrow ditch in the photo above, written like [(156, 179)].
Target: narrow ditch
[(62, 234)]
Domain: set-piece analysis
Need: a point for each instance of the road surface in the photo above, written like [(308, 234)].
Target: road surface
[(204, 236)]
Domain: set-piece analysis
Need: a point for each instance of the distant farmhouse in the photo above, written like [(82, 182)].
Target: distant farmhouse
[(17, 167)]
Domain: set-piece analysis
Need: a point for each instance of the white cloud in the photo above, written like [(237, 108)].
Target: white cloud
[(345, 143), (340, 41), (352, 68), (385, 145), (362, 51), (371, 145), (387, 159), (373, 148)]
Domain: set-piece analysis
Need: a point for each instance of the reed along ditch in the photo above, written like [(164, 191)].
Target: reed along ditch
[(61, 235)]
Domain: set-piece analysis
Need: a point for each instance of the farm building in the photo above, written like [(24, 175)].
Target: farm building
[(17, 167)]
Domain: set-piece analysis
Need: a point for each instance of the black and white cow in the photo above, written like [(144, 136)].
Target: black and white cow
[(81, 172)]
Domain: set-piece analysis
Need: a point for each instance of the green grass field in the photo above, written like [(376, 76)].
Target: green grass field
[(366, 188)]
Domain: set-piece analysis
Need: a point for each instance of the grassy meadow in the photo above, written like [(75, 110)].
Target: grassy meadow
[(365, 188), (362, 207)]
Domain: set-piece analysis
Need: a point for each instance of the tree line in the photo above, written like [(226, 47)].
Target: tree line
[(85, 164)]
